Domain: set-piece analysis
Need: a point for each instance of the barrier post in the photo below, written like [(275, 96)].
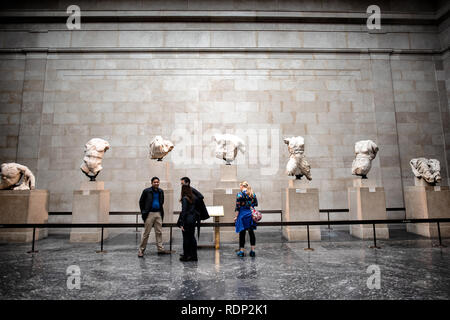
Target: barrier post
[(328, 217), (137, 222), (281, 219), (32, 245), (374, 239), (440, 245), (101, 244), (309, 247), (170, 245)]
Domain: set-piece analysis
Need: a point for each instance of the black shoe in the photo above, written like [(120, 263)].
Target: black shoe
[(184, 258)]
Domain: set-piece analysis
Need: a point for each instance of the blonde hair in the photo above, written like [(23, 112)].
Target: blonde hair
[(247, 186)]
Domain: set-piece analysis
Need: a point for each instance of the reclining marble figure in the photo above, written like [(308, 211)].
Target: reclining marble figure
[(94, 151), (12, 173), (227, 147), (159, 148), (366, 151), (297, 165), (427, 169)]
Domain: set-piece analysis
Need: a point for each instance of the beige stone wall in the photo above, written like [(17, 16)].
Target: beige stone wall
[(129, 106), (444, 98), (233, 5), (334, 84), (12, 69), (329, 99), (420, 121), (443, 84)]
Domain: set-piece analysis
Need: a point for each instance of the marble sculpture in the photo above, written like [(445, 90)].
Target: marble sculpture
[(12, 173), (94, 151), (427, 169), (297, 165), (227, 147), (159, 148), (366, 151)]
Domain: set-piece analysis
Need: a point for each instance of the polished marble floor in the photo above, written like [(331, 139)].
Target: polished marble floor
[(410, 268)]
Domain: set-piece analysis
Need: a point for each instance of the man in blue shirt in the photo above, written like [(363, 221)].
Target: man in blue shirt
[(152, 211)]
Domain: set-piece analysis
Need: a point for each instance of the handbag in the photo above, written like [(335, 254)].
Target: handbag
[(256, 215)]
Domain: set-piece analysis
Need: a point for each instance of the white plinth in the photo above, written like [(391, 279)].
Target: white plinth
[(162, 170), (225, 195), (23, 206), (428, 202), (90, 205), (227, 199), (228, 177), (300, 202), (366, 201)]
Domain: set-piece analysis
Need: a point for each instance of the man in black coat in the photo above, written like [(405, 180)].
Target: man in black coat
[(152, 211)]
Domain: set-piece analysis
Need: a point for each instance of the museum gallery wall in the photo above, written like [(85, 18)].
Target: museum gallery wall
[(331, 84)]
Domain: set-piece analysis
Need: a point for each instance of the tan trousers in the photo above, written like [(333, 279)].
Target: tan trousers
[(153, 220)]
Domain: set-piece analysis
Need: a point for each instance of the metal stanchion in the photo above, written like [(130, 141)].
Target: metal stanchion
[(328, 217), (32, 245), (101, 245), (217, 226), (440, 245), (170, 245), (137, 223), (281, 219), (309, 247), (374, 239)]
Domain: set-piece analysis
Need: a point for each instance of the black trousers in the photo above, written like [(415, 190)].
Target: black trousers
[(189, 241), (242, 237)]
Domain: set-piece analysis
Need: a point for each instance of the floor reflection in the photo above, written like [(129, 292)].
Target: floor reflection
[(410, 269)]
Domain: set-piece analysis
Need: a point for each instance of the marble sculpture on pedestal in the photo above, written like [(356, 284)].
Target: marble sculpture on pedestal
[(427, 169), (159, 148), (12, 173), (94, 151), (227, 146), (366, 151), (297, 165)]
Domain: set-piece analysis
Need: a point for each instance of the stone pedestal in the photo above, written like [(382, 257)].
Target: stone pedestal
[(90, 205), (161, 169), (228, 177), (225, 195), (423, 201), (366, 201), (300, 203), (168, 212), (23, 206)]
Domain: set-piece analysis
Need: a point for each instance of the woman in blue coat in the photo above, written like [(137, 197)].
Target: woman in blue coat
[(245, 200)]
